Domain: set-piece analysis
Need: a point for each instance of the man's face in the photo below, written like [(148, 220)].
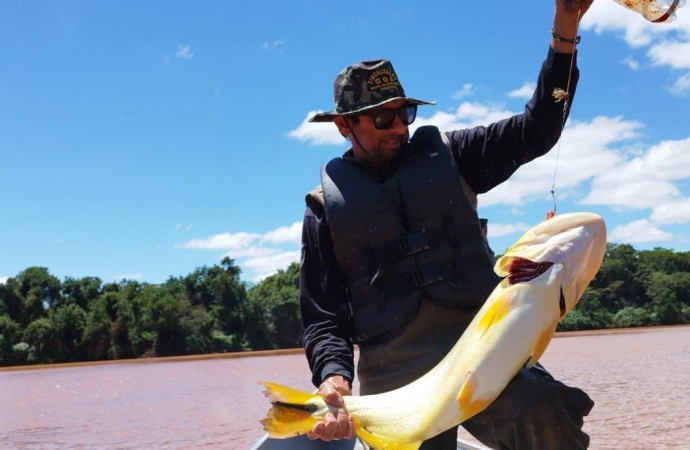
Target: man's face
[(379, 147)]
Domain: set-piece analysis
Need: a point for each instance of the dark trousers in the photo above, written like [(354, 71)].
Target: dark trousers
[(534, 412)]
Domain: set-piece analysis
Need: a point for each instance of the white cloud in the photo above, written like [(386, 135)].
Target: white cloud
[(184, 52), (497, 230), (58, 241), (443, 120), (645, 180), (3, 280), (224, 241), (609, 16), (598, 162), (671, 213), (475, 113), (135, 276), (467, 115), (583, 152), (524, 91), (281, 235), (466, 91), (276, 46), (180, 227), (673, 54), (638, 231), (681, 85), (316, 133), (264, 254), (266, 265), (632, 64), (666, 44)]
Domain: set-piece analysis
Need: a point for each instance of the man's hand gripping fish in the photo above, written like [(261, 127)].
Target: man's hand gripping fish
[(546, 271)]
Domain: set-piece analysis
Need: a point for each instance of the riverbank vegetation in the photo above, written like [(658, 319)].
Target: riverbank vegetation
[(211, 310)]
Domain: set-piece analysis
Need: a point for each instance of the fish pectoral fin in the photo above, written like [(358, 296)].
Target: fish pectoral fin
[(468, 405), (498, 309), (292, 411), (542, 343), (381, 442)]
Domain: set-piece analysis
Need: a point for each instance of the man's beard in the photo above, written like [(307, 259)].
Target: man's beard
[(381, 158)]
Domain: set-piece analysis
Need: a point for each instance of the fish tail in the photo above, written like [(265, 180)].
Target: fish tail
[(294, 412)]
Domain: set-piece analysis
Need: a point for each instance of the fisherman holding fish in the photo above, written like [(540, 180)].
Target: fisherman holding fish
[(395, 258)]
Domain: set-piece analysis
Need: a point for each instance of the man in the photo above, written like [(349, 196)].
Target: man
[(395, 258)]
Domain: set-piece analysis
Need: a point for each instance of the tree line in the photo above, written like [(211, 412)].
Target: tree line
[(211, 310)]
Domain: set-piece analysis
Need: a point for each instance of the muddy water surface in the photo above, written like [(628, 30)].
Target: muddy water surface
[(640, 381)]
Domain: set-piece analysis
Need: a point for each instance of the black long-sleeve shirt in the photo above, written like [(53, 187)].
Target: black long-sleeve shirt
[(485, 156)]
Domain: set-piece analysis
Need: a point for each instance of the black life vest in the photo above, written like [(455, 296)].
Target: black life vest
[(428, 242)]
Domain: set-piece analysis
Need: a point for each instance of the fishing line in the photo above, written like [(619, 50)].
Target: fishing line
[(565, 96)]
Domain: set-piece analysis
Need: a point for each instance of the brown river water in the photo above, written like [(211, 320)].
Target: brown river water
[(639, 379)]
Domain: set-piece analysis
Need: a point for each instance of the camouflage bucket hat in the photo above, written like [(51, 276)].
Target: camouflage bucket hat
[(364, 86)]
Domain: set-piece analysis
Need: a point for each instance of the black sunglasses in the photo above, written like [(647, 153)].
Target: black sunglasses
[(384, 118)]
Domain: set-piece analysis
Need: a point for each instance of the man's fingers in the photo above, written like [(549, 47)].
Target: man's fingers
[(345, 426), (338, 426), (334, 398), (331, 394), (333, 427), (330, 430), (316, 431)]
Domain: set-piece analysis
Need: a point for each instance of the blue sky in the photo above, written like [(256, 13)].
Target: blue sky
[(145, 139)]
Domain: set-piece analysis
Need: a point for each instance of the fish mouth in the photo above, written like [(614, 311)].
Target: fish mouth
[(523, 270)]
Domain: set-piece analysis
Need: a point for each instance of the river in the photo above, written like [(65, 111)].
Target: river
[(639, 379)]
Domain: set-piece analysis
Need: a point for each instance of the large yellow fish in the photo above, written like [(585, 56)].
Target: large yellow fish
[(546, 271)]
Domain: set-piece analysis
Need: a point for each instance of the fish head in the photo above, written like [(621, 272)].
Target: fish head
[(576, 242)]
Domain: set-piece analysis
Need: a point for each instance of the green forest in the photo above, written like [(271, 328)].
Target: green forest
[(211, 310)]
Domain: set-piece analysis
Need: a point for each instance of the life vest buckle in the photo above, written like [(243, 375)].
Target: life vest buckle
[(427, 274), (412, 243)]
